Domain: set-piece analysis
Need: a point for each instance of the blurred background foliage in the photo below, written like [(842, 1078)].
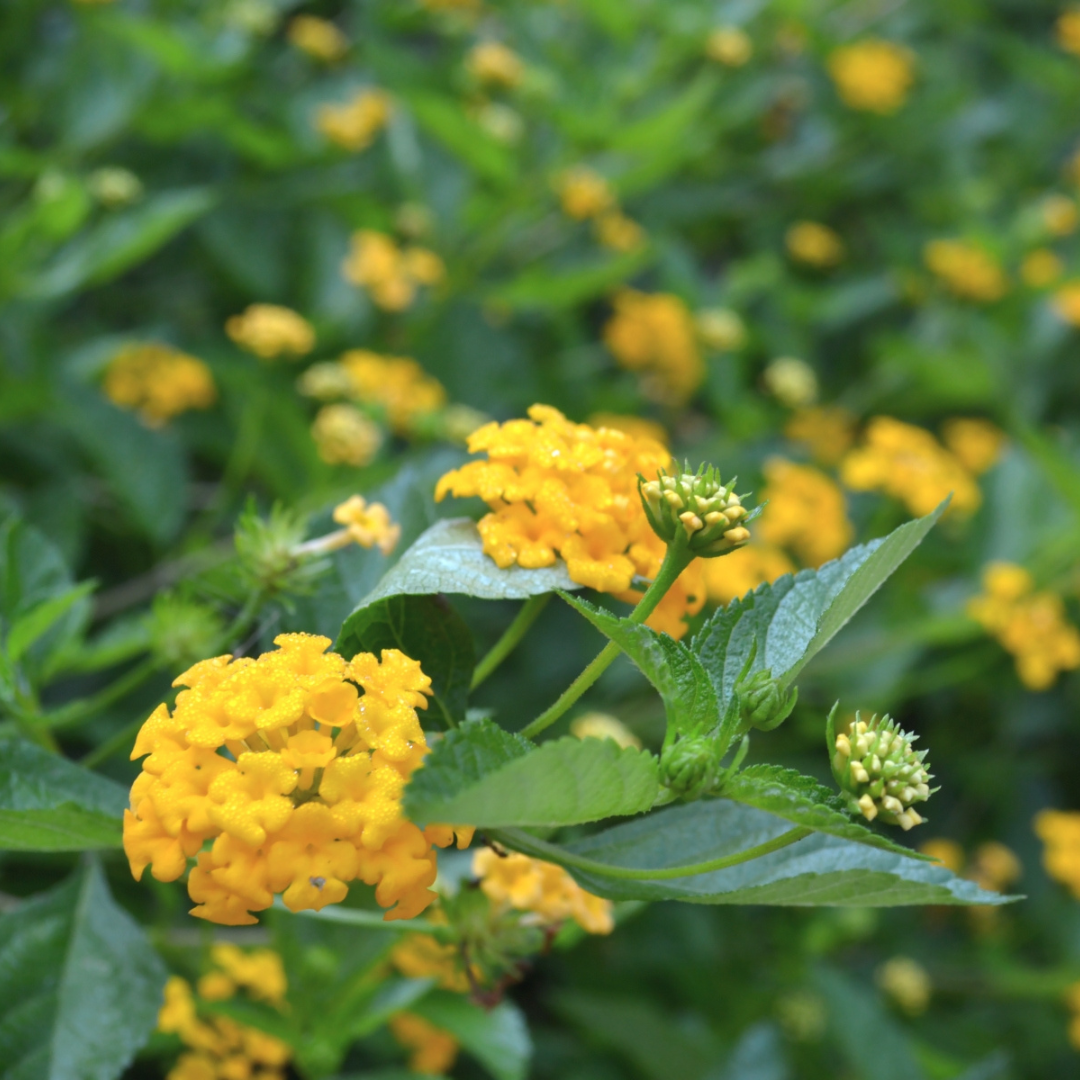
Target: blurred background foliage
[(797, 238)]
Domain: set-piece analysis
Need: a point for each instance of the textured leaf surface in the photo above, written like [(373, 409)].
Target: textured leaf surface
[(803, 801), (818, 870), (677, 674), (449, 558), (563, 782), (794, 618), (47, 803), (426, 628), (80, 985), (498, 1038)]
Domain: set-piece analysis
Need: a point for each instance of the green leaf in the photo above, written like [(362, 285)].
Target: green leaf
[(449, 558), (673, 669), (498, 1038), (26, 630), (803, 801), (875, 1045), (426, 628), (794, 618), (539, 288), (120, 242), (481, 775), (80, 985), (48, 803), (445, 120), (819, 870)]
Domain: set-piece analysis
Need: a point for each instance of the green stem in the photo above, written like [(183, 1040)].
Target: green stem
[(676, 560), (112, 744), (530, 845), (79, 710), (508, 642)]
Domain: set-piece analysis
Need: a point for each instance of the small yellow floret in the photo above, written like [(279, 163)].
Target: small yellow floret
[(720, 329), (873, 75), (791, 381), (729, 45), (584, 193), (389, 273), (543, 889), (977, 444), (158, 382), (432, 1051), (270, 331), (1066, 303), (966, 270), (492, 63), (369, 524), (319, 38), (345, 436), (815, 244), (826, 430), (804, 512), (907, 982), (1060, 215), (354, 125), (1067, 31), (1060, 833), (1040, 268), (616, 231), (396, 384)]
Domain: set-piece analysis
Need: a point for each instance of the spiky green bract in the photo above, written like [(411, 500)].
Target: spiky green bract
[(697, 505)]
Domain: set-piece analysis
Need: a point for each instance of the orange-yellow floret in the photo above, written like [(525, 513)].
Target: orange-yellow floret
[(390, 274), (556, 488), (804, 512), (293, 765), (541, 888), (158, 382), (432, 1050), (1060, 833)]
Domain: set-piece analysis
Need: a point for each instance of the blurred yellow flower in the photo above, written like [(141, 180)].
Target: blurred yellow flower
[(654, 334), (637, 427), (114, 186), (556, 488), (1066, 303), (1072, 1001), (368, 524), (543, 889), (433, 1051), (1060, 215), (584, 193), (804, 512), (423, 956), (1067, 31), (907, 982), (396, 384), (492, 63), (720, 329), (947, 852), (270, 331), (729, 45), (354, 125), (909, 464), (994, 866), (815, 244), (1031, 625), (345, 436), (598, 725), (1060, 833), (828, 432), (873, 75), (618, 232), (319, 38), (791, 381), (502, 123), (967, 270), (1040, 268), (389, 273), (976, 443), (743, 571), (158, 382)]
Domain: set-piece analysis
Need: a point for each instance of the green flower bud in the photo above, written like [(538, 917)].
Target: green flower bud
[(880, 775), (762, 701), (696, 505), (689, 766)]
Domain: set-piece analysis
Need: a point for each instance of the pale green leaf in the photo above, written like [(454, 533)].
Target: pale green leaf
[(498, 1038)]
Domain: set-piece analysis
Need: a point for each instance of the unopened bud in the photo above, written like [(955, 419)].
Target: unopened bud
[(689, 766), (763, 702), (879, 773), (699, 506)]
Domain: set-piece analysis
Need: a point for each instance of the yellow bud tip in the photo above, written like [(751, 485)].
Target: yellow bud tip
[(869, 810), (738, 535)]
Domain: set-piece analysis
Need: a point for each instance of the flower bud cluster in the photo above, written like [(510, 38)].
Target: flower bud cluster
[(763, 702), (689, 766), (698, 505), (880, 774)]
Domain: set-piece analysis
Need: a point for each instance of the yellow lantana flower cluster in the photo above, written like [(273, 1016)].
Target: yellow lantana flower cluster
[(654, 334), (368, 524), (909, 464), (296, 778), (729, 45), (826, 430), (966, 270), (1040, 268), (546, 891), (804, 512), (1031, 625), (158, 382), (556, 488), (494, 64), (390, 274), (1059, 831), (396, 384), (873, 75), (433, 1051), (815, 244), (345, 436), (1066, 303), (221, 1048), (319, 38), (977, 444), (584, 194), (1067, 31), (354, 125), (270, 331)]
